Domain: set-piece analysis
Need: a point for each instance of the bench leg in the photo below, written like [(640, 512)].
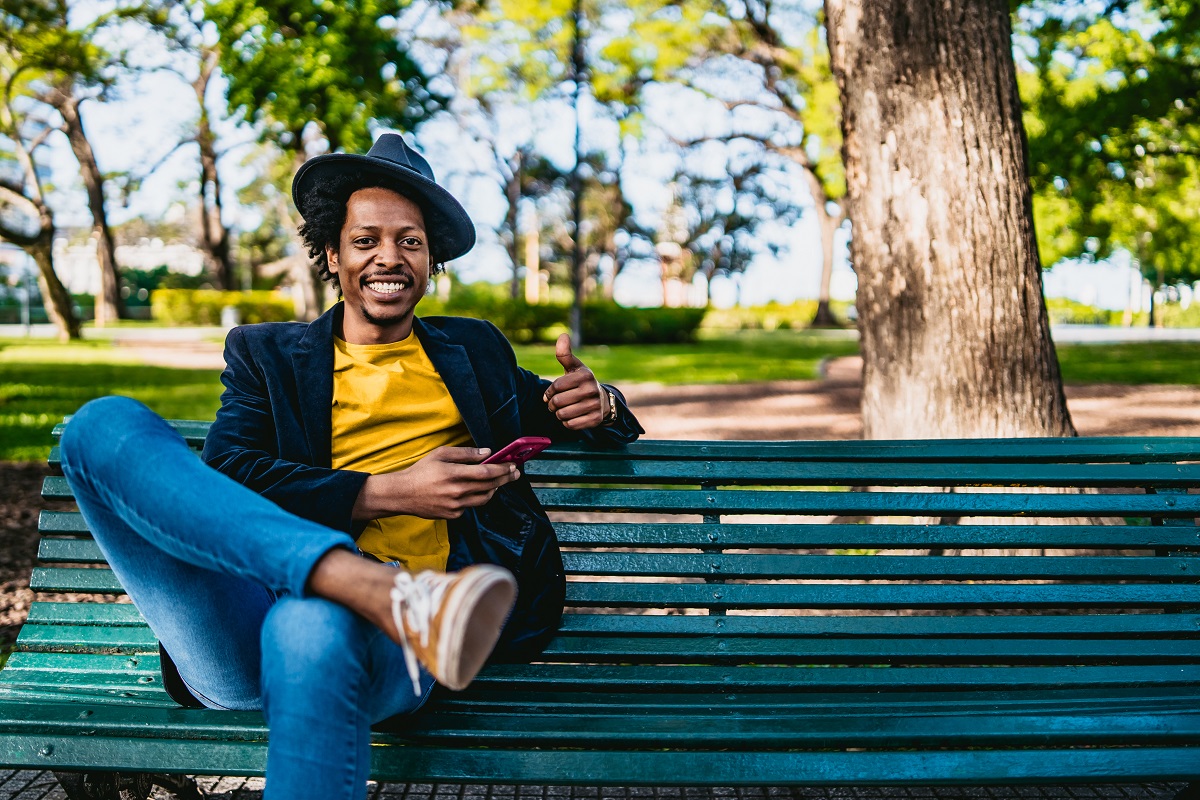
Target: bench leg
[(105, 785)]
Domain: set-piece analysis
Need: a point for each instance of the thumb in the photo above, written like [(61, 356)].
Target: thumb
[(562, 351)]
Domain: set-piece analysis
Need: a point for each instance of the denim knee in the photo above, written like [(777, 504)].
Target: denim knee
[(311, 639), (95, 433)]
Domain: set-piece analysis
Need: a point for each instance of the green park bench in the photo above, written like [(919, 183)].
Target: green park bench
[(746, 613)]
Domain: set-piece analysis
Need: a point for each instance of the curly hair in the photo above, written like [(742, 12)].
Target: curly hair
[(325, 203)]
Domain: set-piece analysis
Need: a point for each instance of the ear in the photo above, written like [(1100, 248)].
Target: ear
[(331, 257)]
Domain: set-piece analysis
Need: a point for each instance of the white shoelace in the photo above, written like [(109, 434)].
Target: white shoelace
[(417, 598)]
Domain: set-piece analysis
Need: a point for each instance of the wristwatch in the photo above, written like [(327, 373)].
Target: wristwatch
[(611, 416)]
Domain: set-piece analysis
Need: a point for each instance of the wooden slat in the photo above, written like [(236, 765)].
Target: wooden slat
[(71, 579), (831, 596), (885, 536), (104, 614), (834, 473), (866, 651), (983, 504), (808, 566), (1107, 626), (882, 567), (82, 663), (87, 639), (833, 536), (1098, 449)]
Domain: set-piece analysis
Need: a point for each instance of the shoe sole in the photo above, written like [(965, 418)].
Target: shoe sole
[(479, 605)]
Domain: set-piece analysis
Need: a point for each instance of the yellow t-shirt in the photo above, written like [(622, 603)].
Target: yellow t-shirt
[(390, 409)]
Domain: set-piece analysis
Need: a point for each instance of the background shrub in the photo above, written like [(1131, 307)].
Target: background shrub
[(203, 306)]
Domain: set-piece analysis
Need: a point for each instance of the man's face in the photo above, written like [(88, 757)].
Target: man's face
[(382, 265)]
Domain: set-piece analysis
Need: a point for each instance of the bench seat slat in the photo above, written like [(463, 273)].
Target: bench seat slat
[(866, 651), (87, 638), (777, 595), (106, 614), (81, 663), (617, 649), (818, 473), (735, 501), (960, 504), (914, 627), (832, 536), (55, 551), (846, 536)]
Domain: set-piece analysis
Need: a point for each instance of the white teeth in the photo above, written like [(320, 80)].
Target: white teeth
[(386, 288)]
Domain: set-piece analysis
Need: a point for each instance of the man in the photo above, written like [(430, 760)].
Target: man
[(350, 547)]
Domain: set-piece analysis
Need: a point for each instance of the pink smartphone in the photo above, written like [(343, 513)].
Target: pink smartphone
[(520, 451)]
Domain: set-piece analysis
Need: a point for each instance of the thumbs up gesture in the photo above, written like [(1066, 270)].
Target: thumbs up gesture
[(577, 398)]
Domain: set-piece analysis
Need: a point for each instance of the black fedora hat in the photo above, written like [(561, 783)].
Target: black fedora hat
[(451, 231)]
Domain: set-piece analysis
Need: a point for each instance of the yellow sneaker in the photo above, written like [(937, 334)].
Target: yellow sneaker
[(450, 621)]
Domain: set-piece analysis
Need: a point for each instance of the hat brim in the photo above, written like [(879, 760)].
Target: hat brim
[(447, 224)]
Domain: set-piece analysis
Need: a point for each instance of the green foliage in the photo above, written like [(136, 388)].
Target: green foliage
[(203, 306), (603, 322), (771, 316), (342, 66), (1069, 312), (713, 358), (1111, 105), (41, 382)]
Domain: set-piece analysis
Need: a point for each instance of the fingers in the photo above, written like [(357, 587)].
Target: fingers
[(460, 455), (562, 351)]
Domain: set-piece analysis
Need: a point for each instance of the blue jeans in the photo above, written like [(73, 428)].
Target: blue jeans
[(220, 572)]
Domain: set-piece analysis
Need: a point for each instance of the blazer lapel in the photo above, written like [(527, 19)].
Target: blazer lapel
[(312, 363), (452, 363)]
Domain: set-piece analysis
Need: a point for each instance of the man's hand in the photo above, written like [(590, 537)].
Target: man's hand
[(442, 485), (577, 398)]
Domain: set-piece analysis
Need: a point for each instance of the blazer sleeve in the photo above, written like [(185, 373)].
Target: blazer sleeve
[(243, 443), (538, 420)]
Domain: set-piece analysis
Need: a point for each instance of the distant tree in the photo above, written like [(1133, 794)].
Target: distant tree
[(321, 76), (1111, 93), (26, 219), (954, 332), (73, 68), (183, 27)]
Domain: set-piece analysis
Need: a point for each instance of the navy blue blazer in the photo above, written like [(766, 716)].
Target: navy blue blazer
[(273, 434)]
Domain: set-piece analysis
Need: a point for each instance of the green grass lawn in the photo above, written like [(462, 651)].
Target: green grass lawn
[(743, 357), (41, 381)]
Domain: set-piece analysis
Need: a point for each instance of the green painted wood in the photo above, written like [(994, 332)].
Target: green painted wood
[(106, 614), (622, 650), (867, 567), (740, 501), (1108, 626), (53, 551), (80, 663), (609, 534), (74, 579), (87, 638), (62, 522), (59, 551), (818, 473), (878, 596), (193, 431), (843, 536)]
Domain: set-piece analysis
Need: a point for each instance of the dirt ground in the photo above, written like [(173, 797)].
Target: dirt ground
[(824, 409)]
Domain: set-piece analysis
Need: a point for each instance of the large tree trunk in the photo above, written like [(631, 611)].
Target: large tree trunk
[(55, 297), (512, 193), (954, 332), (109, 305), (214, 234)]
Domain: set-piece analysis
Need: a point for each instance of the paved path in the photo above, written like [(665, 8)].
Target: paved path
[(30, 785)]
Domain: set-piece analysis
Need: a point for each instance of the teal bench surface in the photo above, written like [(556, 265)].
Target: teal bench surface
[(748, 613)]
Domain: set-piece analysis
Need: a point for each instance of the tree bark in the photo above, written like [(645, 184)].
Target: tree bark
[(954, 332), (307, 287), (512, 193), (55, 297), (214, 235), (109, 305)]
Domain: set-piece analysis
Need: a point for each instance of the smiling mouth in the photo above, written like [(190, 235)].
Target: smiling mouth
[(388, 287)]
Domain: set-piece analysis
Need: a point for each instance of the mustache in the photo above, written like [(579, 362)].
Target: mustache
[(401, 273)]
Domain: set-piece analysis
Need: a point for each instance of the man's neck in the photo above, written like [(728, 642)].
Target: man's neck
[(358, 331)]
